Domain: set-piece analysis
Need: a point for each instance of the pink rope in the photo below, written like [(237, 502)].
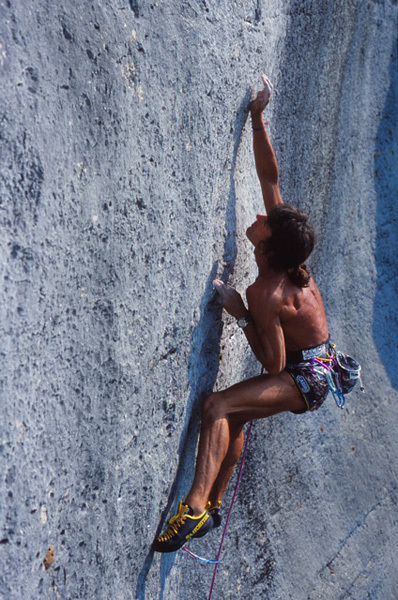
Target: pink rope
[(242, 462)]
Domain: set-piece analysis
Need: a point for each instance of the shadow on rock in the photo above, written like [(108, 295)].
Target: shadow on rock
[(386, 176), (203, 365)]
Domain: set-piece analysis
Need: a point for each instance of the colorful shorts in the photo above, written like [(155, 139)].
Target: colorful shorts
[(312, 386)]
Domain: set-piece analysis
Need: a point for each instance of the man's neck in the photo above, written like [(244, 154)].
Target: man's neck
[(264, 270)]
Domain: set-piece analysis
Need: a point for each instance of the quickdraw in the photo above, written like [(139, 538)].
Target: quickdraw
[(341, 371), (206, 561)]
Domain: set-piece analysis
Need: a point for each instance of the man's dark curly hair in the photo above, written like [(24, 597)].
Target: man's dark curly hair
[(290, 244)]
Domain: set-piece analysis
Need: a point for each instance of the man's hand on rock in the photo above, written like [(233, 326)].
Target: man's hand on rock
[(230, 299), (263, 97)]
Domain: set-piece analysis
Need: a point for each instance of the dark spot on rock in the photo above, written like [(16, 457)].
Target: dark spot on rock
[(33, 73), (14, 250), (66, 33), (140, 203), (134, 8), (257, 12)]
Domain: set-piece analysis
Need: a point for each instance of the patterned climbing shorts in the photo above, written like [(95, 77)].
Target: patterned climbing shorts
[(312, 386)]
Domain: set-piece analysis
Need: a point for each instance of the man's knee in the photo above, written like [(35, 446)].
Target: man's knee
[(212, 408)]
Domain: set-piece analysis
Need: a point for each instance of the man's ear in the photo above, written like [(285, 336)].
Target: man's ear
[(262, 247)]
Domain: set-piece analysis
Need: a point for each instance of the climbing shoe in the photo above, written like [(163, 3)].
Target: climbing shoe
[(182, 527), (215, 511)]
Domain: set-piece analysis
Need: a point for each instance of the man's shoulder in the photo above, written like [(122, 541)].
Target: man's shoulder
[(265, 290)]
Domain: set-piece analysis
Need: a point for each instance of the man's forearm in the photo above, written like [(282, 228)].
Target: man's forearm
[(255, 344), (251, 334), (265, 159)]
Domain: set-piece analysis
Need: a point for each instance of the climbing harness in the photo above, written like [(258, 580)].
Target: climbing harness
[(217, 560), (341, 371)]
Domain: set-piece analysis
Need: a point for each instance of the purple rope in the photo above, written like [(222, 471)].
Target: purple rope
[(242, 462)]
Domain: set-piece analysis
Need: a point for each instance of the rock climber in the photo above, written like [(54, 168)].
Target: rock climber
[(286, 327)]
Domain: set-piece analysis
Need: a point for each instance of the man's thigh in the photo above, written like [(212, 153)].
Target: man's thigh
[(261, 397)]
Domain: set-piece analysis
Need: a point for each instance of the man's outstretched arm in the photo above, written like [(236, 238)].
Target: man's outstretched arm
[(266, 165)]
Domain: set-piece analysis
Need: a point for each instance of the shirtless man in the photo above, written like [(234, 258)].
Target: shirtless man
[(285, 325)]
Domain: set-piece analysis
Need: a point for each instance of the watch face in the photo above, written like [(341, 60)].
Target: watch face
[(242, 322)]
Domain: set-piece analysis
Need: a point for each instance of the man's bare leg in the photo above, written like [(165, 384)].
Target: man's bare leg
[(228, 465), (255, 398)]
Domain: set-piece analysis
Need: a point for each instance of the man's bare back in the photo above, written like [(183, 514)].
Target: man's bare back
[(301, 310)]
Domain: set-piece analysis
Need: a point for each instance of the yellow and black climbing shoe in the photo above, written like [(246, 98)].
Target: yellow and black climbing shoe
[(182, 527), (215, 511)]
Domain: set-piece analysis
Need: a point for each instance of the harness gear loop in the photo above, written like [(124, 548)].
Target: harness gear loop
[(341, 372)]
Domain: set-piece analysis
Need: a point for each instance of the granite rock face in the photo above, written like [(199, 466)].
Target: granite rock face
[(127, 182)]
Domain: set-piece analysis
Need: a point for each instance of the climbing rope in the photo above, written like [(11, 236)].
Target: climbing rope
[(242, 462)]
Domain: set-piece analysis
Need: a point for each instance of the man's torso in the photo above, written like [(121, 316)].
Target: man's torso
[(300, 310)]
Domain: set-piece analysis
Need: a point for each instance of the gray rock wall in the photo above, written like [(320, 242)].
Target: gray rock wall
[(127, 183)]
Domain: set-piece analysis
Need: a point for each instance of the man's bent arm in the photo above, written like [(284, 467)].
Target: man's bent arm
[(234, 305), (268, 345), (268, 330), (264, 349), (254, 341)]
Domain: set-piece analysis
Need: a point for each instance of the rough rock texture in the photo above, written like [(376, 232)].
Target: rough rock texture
[(127, 183)]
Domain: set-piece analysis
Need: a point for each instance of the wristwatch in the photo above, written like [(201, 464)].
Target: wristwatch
[(243, 322)]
